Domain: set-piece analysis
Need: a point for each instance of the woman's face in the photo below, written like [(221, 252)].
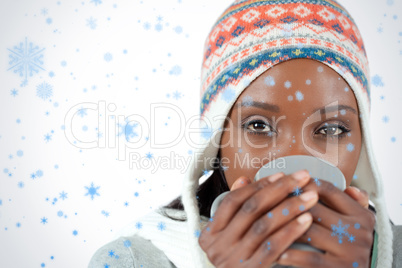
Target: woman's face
[(298, 107)]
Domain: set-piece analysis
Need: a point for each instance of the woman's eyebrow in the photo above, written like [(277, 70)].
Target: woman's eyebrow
[(328, 109), (260, 105)]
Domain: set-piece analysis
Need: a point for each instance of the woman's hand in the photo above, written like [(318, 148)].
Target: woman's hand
[(343, 228), (255, 224)]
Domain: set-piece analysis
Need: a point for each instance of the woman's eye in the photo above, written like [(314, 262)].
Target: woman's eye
[(258, 127), (332, 130)]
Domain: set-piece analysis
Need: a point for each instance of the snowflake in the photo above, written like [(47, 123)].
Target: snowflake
[(126, 204), (288, 84), (149, 155), (269, 215), (43, 220), (176, 70), (75, 233), (127, 243), (138, 225), (247, 101), (350, 147), (197, 233), (82, 112), (317, 181), (21, 184), (129, 130), (285, 212), (269, 81), (111, 253), (48, 137), (161, 226), (351, 239), (63, 195), (14, 92), (147, 26), (92, 191), (96, 2), (225, 167), (297, 191), (385, 119), (44, 91), (178, 29), (158, 27), (39, 173), (33, 176), (159, 18), (91, 23), (176, 95), (43, 11), (228, 95), (105, 213), (340, 231), (287, 30), (26, 59), (299, 96), (377, 81), (108, 57)]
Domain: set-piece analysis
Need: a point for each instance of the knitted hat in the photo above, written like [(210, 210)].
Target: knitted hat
[(250, 37)]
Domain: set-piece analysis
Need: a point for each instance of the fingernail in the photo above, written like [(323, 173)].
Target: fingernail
[(275, 177), (355, 188), (299, 175), (239, 182), (307, 196), (304, 218), (284, 256)]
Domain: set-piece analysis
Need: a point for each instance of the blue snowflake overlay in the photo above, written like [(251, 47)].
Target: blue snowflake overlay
[(92, 190), (44, 91), (341, 231), (26, 60)]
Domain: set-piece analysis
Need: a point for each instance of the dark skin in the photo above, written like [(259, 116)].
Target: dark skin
[(239, 233)]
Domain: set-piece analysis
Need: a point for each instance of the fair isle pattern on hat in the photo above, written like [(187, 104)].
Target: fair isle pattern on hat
[(249, 38), (252, 34)]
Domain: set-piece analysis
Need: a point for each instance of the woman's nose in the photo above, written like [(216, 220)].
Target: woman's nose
[(293, 143)]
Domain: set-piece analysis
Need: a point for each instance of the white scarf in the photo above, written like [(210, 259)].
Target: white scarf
[(166, 234)]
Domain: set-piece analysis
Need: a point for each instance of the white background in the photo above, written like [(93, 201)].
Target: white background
[(136, 53)]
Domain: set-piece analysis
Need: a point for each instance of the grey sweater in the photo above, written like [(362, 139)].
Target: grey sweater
[(137, 252)]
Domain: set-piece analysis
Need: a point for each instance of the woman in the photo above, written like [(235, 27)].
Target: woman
[(279, 78)]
